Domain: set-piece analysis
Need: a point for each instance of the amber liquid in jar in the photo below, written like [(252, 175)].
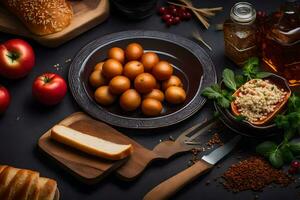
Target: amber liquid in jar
[(240, 33), (281, 44)]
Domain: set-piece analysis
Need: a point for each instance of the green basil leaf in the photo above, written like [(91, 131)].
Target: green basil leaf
[(282, 121), (295, 147), (263, 74), (286, 153), (276, 159), (250, 68), (266, 148), (289, 134), (228, 79), (211, 93), (223, 102), (240, 118), (294, 103), (239, 80)]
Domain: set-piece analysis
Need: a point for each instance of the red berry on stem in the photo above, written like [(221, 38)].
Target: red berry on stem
[(166, 17), (162, 10), (188, 15), (295, 164), (182, 15), (170, 21), (176, 20), (173, 11)]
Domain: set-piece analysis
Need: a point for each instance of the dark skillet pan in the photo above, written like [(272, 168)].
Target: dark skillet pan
[(190, 61)]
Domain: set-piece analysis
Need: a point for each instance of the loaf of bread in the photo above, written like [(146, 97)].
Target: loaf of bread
[(90, 144), (41, 17), (23, 184)]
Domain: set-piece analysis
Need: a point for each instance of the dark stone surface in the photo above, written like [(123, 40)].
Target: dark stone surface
[(25, 121)]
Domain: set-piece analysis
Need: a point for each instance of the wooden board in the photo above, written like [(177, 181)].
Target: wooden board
[(91, 169), (87, 14)]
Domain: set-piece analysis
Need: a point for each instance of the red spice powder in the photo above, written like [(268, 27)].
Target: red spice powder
[(253, 173)]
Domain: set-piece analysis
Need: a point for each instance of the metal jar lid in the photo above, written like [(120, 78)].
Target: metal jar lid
[(243, 12)]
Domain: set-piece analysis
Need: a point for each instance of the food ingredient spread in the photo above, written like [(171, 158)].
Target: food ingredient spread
[(253, 174), (258, 98)]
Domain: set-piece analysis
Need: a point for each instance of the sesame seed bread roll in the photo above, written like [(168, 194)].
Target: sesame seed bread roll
[(42, 17)]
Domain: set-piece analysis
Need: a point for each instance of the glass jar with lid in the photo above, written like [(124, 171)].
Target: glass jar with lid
[(240, 33)]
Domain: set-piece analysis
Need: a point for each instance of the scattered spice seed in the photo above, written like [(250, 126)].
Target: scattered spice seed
[(215, 140), (68, 60), (207, 182), (254, 174)]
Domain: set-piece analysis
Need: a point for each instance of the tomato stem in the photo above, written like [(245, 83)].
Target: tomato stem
[(13, 56)]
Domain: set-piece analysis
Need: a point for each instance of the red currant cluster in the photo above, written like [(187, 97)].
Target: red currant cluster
[(173, 15), (294, 167)]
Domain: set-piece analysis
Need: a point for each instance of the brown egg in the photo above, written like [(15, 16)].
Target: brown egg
[(132, 69), (149, 59), (172, 81), (151, 107), (162, 70), (175, 95), (103, 96), (97, 79), (99, 66), (112, 68), (130, 100), (119, 84), (155, 94), (117, 54), (134, 51), (144, 83)]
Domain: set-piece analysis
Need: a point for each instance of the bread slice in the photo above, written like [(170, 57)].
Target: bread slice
[(90, 144), (47, 188)]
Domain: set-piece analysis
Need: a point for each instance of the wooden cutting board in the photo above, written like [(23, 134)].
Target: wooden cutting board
[(91, 169), (87, 14)]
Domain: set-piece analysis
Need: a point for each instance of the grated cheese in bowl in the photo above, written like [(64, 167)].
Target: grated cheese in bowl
[(258, 98)]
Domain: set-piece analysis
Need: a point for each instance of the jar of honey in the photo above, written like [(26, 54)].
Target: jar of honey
[(240, 33)]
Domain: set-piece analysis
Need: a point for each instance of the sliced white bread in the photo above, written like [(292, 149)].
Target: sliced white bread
[(47, 188), (90, 144)]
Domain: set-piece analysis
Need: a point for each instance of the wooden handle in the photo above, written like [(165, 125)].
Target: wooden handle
[(166, 149), (169, 187)]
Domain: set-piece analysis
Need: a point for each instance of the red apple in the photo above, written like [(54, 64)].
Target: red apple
[(16, 58), (4, 99), (49, 88)]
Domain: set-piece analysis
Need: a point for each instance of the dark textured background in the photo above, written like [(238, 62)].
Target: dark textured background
[(25, 120)]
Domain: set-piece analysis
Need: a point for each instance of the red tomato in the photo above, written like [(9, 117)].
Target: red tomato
[(4, 99), (49, 88), (16, 58)]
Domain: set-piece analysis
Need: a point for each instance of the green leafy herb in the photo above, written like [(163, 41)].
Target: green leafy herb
[(222, 97), (263, 75), (286, 153), (294, 103), (240, 118), (295, 148), (250, 68), (266, 148), (239, 80), (229, 79), (276, 158)]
